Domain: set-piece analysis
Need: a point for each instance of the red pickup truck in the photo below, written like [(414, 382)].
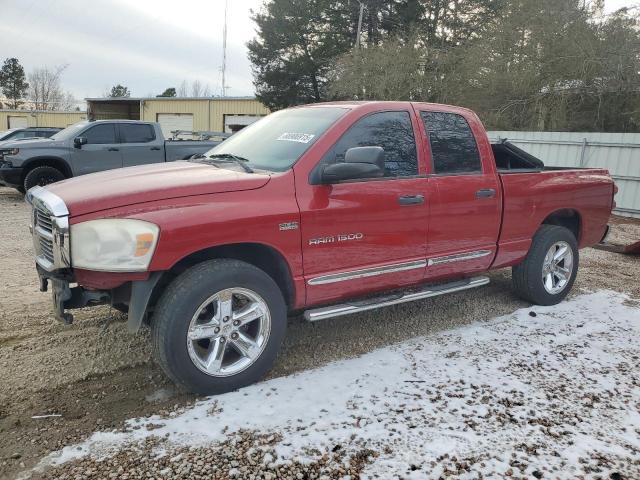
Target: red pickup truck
[(328, 209)]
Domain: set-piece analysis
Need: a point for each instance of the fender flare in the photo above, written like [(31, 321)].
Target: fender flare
[(50, 160)]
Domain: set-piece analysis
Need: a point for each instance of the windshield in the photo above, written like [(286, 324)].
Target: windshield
[(277, 141), (69, 132)]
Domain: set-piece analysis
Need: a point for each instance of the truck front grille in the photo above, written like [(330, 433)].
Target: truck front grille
[(43, 220), (43, 237), (50, 229)]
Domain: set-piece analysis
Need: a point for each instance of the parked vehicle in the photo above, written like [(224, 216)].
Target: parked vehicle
[(329, 209), (31, 132), (90, 146)]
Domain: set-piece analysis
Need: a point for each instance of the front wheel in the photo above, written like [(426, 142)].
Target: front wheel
[(218, 326), (547, 273), (42, 176)]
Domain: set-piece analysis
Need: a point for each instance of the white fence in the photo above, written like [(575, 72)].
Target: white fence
[(617, 152)]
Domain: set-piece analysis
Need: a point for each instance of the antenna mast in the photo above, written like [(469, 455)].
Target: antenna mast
[(224, 50)]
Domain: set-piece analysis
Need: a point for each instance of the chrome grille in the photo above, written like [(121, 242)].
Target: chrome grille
[(43, 220), (46, 248), (50, 229)]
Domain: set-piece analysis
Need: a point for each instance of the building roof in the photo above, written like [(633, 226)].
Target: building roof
[(66, 112), (140, 99)]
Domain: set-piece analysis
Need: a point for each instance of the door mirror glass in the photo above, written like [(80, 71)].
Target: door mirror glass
[(79, 141), (359, 163)]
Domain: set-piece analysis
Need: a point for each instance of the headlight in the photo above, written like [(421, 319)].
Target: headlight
[(10, 151), (113, 245)]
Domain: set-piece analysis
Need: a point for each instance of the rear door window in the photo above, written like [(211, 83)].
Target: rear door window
[(453, 147), (103, 133), (137, 133)]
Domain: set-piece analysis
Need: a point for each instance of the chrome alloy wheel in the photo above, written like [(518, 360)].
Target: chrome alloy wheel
[(557, 267), (228, 332)]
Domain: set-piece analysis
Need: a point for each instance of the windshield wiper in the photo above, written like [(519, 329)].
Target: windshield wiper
[(228, 157)]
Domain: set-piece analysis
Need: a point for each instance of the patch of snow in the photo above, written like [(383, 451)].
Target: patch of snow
[(558, 392)]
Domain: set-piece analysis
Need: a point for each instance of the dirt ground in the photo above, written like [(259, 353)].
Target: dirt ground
[(94, 375)]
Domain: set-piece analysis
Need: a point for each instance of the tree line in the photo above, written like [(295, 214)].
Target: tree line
[(42, 88), (521, 64)]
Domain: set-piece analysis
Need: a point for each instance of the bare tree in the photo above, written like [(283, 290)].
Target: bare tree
[(45, 91), (206, 92), (183, 90), (196, 88)]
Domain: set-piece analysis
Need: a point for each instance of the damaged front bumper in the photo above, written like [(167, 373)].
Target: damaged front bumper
[(135, 294)]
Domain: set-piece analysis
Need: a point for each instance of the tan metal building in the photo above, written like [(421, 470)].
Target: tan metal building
[(29, 118), (228, 114)]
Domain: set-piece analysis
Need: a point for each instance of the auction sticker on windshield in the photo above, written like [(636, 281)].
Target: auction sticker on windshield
[(296, 137)]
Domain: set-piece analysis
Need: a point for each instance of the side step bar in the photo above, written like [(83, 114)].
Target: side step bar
[(386, 300)]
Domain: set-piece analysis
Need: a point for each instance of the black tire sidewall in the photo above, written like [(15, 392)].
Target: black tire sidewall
[(542, 242), (180, 301), (31, 178)]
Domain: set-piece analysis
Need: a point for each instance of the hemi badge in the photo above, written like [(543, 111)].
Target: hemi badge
[(289, 226)]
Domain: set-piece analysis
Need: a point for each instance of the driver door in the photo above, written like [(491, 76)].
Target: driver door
[(369, 234), (101, 152)]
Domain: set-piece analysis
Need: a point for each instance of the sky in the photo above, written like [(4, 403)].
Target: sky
[(147, 45)]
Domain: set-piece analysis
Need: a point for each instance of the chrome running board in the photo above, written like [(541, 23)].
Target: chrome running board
[(392, 299)]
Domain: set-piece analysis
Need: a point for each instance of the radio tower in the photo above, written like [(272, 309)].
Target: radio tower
[(224, 50)]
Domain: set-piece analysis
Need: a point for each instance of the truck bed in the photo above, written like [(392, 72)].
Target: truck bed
[(511, 159), (532, 192)]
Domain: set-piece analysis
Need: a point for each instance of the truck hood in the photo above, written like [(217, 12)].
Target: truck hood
[(30, 143), (149, 183)]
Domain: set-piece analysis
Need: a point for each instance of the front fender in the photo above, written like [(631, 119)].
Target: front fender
[(55, 159)]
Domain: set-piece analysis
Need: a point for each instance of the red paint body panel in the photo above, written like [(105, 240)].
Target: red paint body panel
[(149, 183), (106, 280), (199, 207), (529, 198)]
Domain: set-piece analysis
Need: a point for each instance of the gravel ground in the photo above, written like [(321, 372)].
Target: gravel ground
[(95, 375), (546, 392)]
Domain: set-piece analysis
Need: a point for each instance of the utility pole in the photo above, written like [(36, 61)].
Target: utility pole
[(224, 50), (359, 25)]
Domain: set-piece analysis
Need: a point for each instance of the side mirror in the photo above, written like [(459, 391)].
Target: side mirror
[(79, 141), (359, 162)]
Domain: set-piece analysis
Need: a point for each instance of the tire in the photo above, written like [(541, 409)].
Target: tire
[(42, 176), (528, 280), (228, 282)]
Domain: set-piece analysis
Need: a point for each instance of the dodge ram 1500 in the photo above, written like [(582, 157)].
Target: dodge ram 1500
[(326, 209)]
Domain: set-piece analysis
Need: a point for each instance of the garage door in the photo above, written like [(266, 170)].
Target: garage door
[(170, 122), (18, 122), (233, 123)]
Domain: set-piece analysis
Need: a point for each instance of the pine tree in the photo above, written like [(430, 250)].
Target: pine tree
[(13, 82)]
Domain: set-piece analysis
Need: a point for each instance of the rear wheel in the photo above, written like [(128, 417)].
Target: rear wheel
[(218, 326), (549, 270), (42, 176)]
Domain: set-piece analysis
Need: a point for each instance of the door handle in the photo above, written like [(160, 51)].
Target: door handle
[(411, 199), (113, 149), (486, 193), (154, 148)]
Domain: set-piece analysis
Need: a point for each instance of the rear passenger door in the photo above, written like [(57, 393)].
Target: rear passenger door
[(140, 144), (101, 152), (464, 200)]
